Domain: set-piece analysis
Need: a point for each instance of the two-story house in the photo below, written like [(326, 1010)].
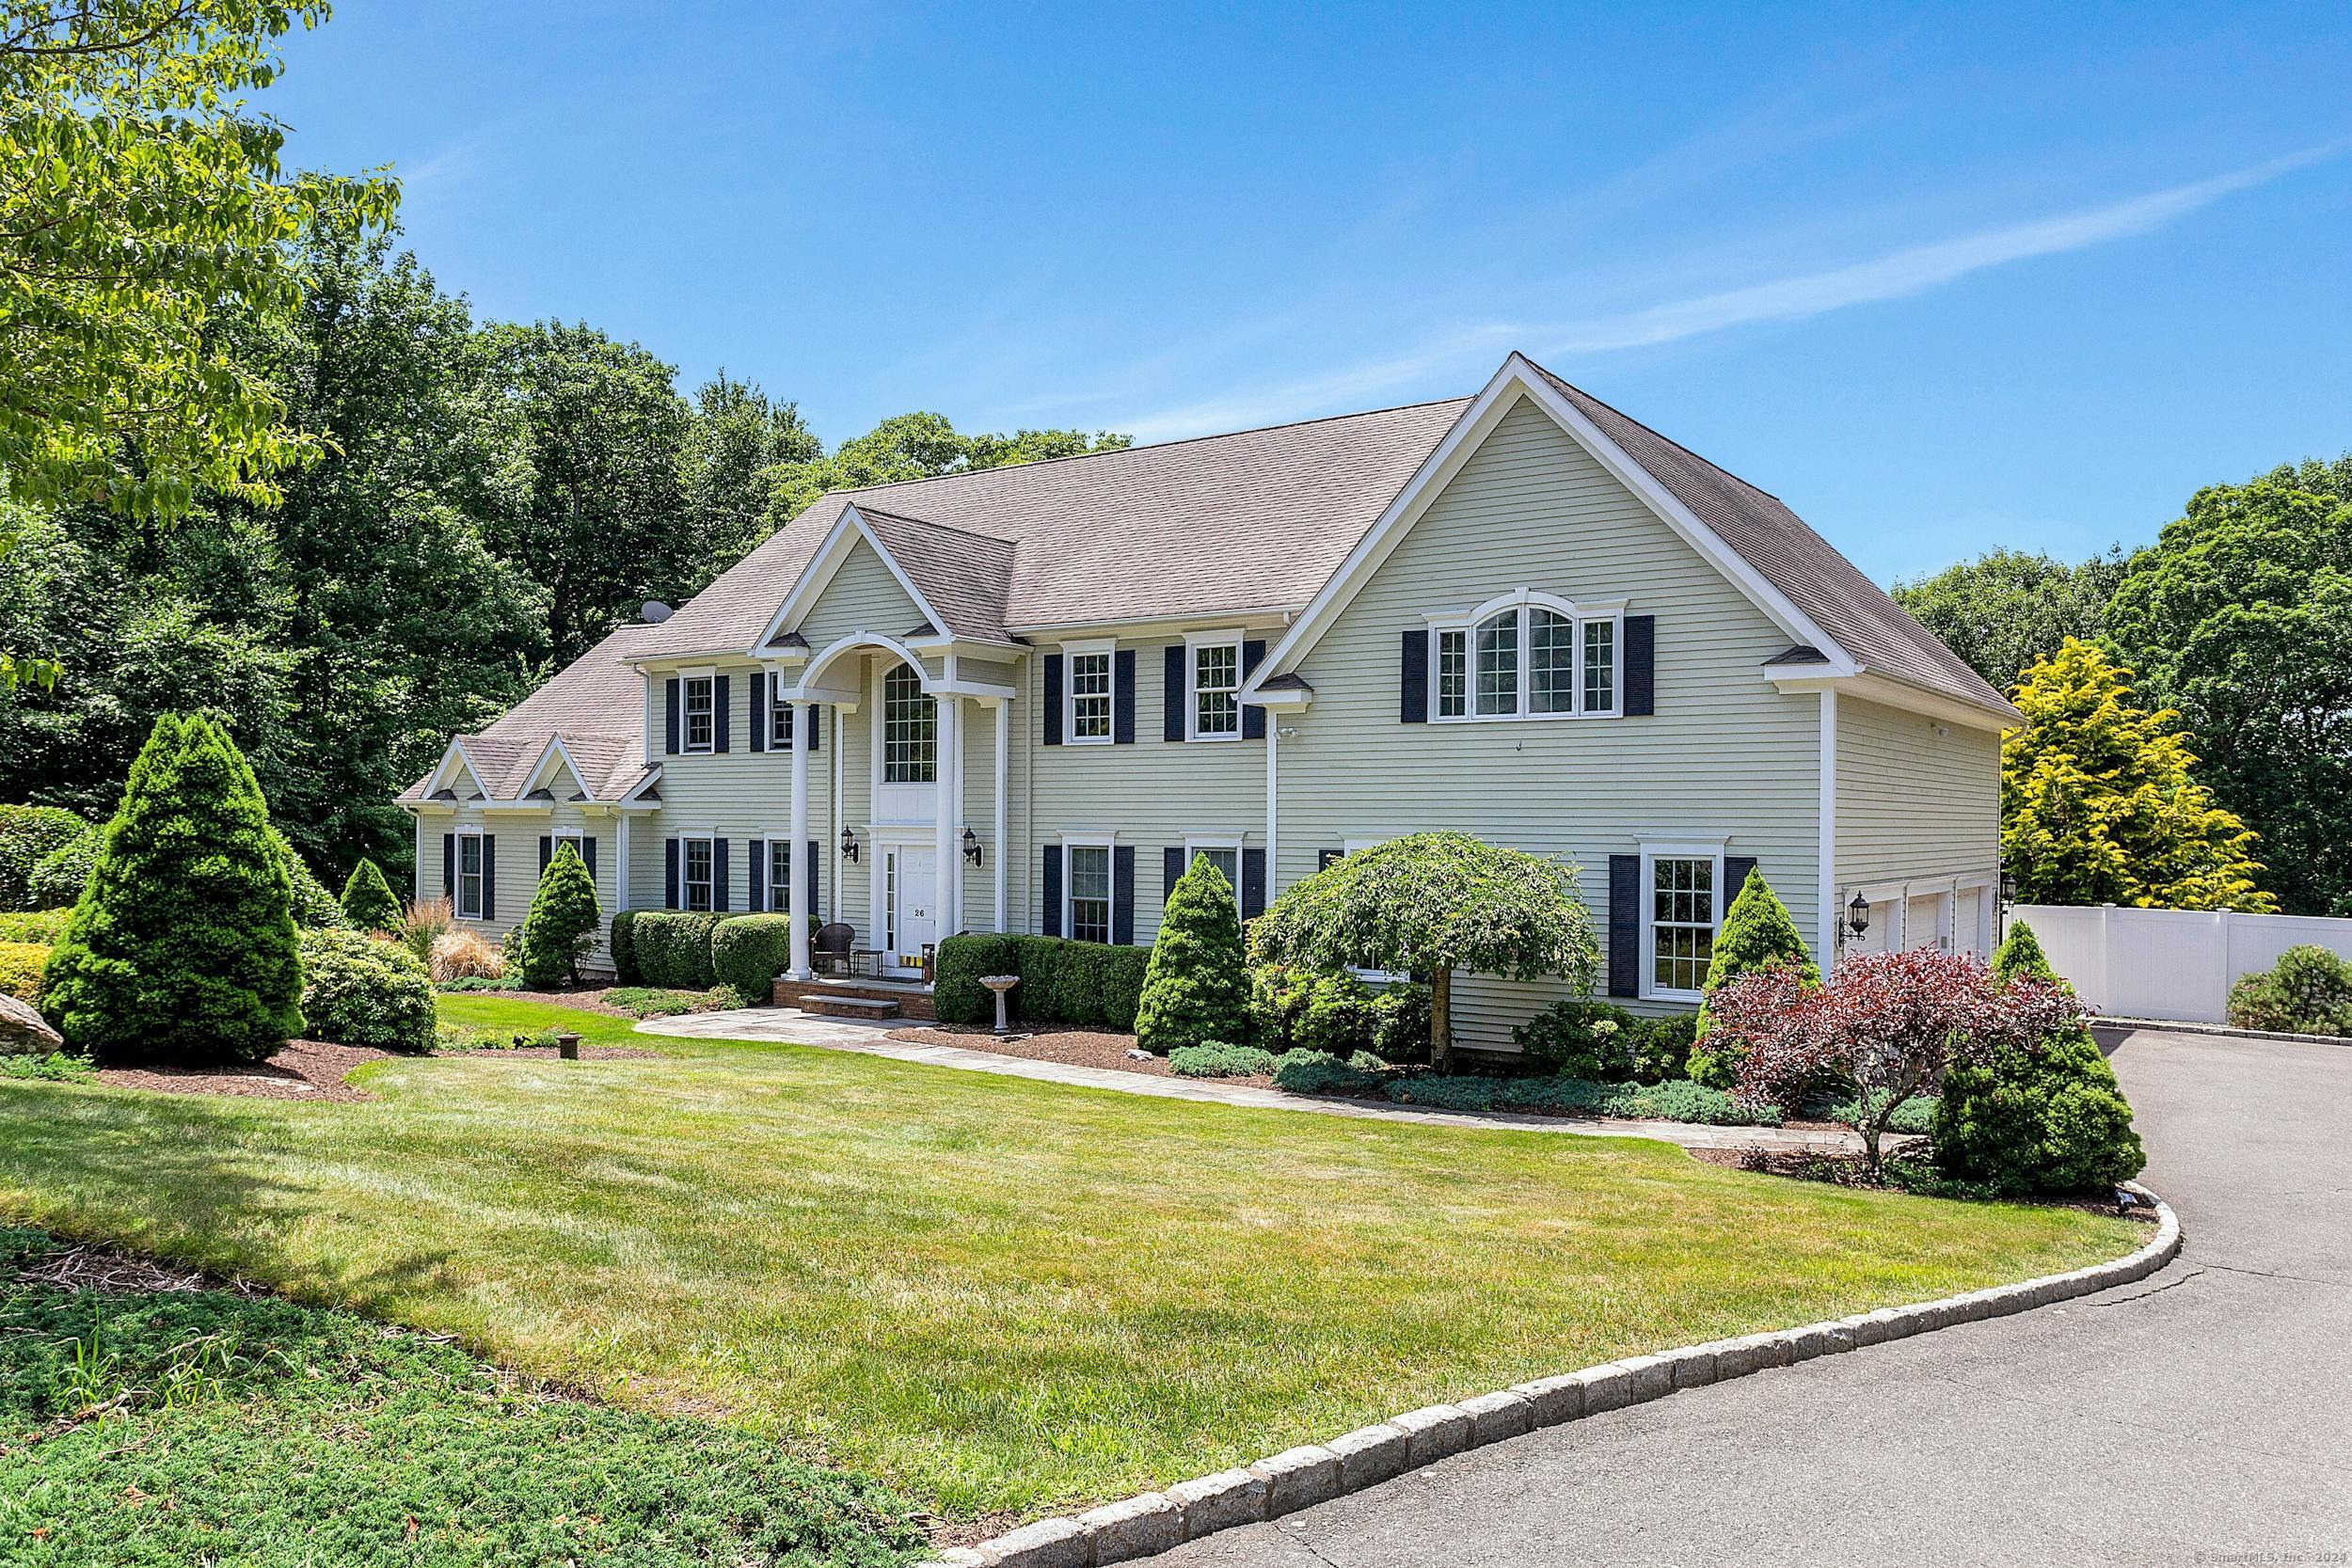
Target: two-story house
[(1022, 699)]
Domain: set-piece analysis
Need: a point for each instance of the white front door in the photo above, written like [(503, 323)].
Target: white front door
[(910, 907)]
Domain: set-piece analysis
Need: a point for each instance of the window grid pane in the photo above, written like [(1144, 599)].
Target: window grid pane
[(1499, 663), (1453, 674), (697, 854), (780, 875), (1090, 893), (779, 726), (469, 876), (1600, 665), (1091, 696), (1552, 663), (1682, 922), (910, 729), (699, 729), (1215, 679)]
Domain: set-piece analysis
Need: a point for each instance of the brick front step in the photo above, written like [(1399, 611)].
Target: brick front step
[(855, 998)]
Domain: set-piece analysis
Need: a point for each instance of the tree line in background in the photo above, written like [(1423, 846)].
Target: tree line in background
[(2192, 743), (258, 464)]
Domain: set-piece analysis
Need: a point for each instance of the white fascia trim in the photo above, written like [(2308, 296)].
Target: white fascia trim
[(1255, 617), (1289, 699), (457, 748), (630, 798), (1875, 685), (847, 530), (555, 747), (1517, 379)]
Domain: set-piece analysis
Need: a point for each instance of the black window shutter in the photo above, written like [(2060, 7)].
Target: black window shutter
[(1124, 888), (546, 851), (588, 848), (1050, 857), (449, 868), (669, 874), (1412, 704), (719, 875), (1171, 870), (1736, 869), (669, 716), (1641, 664), (810, 876), (816, 729), (756, 711), (718, 701), (1252, 716), (1252, 883), (755, 862), (1123, 697), (489, 876), (1173, 694), (1052, 707), (1625, 924)]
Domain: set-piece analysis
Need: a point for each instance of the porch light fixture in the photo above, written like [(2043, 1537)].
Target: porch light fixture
[(849, 845), (971, 846), (1857, 922), (2008, 889)]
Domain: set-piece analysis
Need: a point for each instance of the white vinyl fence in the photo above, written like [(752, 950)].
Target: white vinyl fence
[(2175, 964)]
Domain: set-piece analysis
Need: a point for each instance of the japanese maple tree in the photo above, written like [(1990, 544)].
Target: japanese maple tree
[(1890, 1024)]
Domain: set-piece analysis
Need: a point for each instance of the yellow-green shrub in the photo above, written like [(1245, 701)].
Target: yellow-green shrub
[(20, 965)]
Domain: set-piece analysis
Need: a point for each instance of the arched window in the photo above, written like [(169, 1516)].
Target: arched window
[(910, 729), (1528, 656)]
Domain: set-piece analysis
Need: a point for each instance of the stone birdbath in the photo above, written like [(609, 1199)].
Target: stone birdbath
[(1001, 984)]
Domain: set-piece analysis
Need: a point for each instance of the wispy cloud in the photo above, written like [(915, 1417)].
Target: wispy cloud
[(1897, 274)]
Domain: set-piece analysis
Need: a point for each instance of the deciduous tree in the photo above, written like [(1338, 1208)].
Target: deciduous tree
[(2008, 609)]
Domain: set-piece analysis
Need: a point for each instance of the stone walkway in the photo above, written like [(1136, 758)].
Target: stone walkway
[(790, 1024)]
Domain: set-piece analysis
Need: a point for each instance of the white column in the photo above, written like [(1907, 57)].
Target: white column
[(1004, 752), (1830, 911), (803, 714), (1273, 798), (950, 852), (620, 872)]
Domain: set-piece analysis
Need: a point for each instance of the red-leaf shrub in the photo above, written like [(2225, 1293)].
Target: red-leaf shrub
[(1890, 1024)]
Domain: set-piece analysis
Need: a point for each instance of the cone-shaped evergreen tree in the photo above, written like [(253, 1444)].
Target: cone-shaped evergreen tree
[(2020, 953), (1196, 987), (556, 934), (368, 899), (1758, 933), (181, 948)]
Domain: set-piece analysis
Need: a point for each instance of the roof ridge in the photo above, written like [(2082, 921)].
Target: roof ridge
[(1147, 445), (944, 527), (1661, 436)]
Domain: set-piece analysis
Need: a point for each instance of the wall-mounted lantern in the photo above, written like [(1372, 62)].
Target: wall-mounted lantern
[(971, 846), (1857, 922), (849, 845)]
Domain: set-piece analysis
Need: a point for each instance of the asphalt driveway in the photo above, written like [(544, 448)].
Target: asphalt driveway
[(2201, 1416)]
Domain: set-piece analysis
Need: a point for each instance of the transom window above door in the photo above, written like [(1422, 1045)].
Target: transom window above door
[(910, 729), (1527, 654)]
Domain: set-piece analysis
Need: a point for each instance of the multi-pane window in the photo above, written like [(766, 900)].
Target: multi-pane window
[(1682, 921), (1216, 690), (1536, 656), (469, 875), (1090, 891), (1551, 662), (1600, 665), (696, 873), (1091, 696), (1499, 663), (1453, 673), (702, 712), (910, 729), (779, 724), (1226, 858), (780, 875)]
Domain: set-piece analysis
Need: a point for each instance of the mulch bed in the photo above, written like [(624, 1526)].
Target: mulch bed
[(1074, 1047)]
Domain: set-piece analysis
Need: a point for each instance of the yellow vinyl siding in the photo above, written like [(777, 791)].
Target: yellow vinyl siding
[(1917, 796)]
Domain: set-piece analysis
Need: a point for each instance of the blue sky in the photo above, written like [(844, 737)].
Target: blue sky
[(1944, 279)]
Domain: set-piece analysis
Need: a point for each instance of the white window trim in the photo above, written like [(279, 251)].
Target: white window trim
[(1654, 851), (579, 837), (685, 714), (1071, 653), (685, 902), (1579, 612), (1194, 844), (1104, 842), (881, 730), (457, 889), (1194, 642), (777, 704)]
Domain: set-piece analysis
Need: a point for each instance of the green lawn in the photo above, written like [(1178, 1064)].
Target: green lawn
[(998, 1296)]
